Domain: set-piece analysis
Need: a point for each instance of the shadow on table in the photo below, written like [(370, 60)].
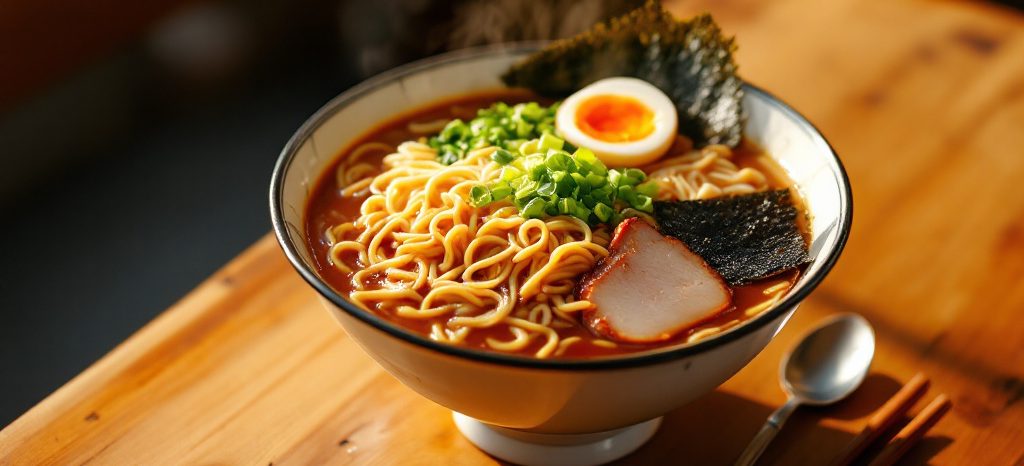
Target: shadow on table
[(715, 428)]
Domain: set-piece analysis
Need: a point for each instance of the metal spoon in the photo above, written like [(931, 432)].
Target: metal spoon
[(828, 364)]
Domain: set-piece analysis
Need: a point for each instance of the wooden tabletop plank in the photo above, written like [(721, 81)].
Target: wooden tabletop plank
[(924, 101)]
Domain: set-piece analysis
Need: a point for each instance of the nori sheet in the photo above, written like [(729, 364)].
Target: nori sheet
[(744, 237), (691, 61)]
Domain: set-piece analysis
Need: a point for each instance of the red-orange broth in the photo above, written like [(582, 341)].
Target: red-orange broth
[(327, 207)]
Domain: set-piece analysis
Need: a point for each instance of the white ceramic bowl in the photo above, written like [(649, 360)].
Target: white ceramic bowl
[(532, 396)]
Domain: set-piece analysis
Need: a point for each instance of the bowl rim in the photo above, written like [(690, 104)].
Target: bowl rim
[(644, 358)]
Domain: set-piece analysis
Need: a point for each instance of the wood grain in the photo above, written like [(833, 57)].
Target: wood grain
[(924, 101)]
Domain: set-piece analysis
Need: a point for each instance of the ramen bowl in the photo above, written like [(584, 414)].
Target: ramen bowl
[(553, 411)]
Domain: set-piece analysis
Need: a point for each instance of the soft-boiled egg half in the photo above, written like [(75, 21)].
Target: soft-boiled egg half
[(626, 122)]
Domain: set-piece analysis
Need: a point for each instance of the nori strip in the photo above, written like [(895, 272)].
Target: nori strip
[(744, 237), (691, 61)]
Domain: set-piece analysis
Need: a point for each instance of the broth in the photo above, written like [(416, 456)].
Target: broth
[(328, 207)]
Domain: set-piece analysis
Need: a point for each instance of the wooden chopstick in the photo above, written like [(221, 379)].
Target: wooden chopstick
[(891, 412), (913, 431)]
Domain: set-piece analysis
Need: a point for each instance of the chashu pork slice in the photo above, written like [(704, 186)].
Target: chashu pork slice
[(650, 287)]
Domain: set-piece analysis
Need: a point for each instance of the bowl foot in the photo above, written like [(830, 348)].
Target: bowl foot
[(532, 449)]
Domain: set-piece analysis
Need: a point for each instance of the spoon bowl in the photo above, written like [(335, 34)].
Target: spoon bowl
[(830, 362)]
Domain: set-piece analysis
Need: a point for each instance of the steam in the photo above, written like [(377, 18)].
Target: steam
[(496, 21), (380, 34)]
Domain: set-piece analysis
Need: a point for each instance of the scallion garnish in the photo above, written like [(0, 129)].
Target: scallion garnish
[(543, 179), (502, 125)]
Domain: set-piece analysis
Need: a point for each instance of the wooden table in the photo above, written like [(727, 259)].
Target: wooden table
[(924, 101)]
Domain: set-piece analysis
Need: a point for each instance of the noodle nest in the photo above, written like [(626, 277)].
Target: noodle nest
[(419, 250)]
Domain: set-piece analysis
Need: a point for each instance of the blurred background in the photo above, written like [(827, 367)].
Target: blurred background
[(137, 141)]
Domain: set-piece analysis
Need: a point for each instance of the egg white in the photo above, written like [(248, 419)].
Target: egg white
[(622, 154)]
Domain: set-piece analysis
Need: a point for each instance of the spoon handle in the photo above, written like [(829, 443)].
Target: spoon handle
[(767, 433)]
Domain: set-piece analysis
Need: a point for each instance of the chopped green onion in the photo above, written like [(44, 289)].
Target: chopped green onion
[(626, 193), (510, 173), (603, 195), (539, 173), (529, 147), (533, 161), (596, 181), (454, 130), (507, 127), (479, 196), (582, 212), (550, 141), (533, 209), (546, 189), (558, 160), (643, 203), (649, 188), (543, 178), (523, 129), (566, 205), (502, 157), (603, 212), (581, 182), (628, 181), (519, 182), (527, 189), (513, 144), (551, 208), (532, 111), (585, 155), (501, 190), (448, 157), (614, 177), (635, 173), (564, 185)]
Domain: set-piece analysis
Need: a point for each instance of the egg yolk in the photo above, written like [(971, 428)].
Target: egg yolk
[(614, 118)]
